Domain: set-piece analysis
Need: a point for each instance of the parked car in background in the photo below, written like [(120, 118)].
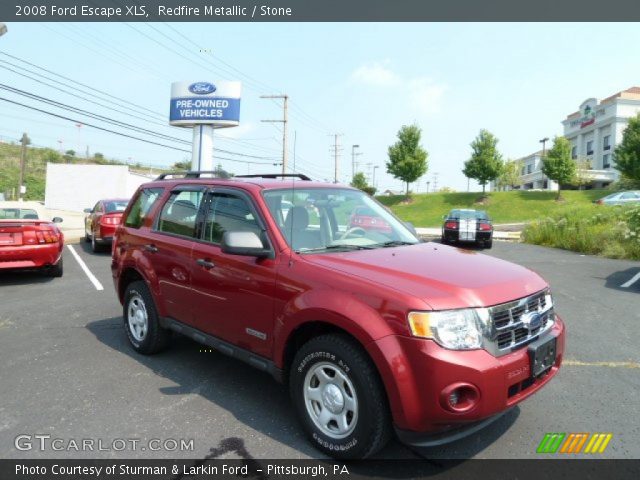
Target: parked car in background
[(366, 219), (102, 220), (621, 198), (29, 240), (374, 332), (467, 225)]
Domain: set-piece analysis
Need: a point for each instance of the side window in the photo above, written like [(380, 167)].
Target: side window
[(142, 206), (228, 213), (178, 215), (97, 208)]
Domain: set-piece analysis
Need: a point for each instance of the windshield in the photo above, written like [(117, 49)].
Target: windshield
[(18, 213), (113, 206), (322, 219), (468, 215)]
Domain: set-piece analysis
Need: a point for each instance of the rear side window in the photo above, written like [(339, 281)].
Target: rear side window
[(18, 213), (178, 215), (141, 207)]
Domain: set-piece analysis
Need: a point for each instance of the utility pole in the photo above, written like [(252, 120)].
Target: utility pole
[(284, 122), (336, 156), (353, 159), (435, 181), (23, 160)]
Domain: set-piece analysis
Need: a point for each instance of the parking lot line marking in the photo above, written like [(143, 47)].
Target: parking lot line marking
[(602, 364), (632, 281), (84, 267)]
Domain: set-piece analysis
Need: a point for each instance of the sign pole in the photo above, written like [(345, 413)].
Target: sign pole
[(202, 148)]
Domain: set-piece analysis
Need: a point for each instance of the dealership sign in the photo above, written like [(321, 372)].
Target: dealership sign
[(205, 103)]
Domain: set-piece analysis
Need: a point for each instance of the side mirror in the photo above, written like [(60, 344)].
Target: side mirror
[(411, 227), (56, 220), (244, 243), (88, 210)]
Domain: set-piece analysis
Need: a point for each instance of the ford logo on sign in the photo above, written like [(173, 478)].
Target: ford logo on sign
[(202, 88), (531, 320)]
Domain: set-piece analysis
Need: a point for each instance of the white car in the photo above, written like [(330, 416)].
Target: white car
[(631, 197)]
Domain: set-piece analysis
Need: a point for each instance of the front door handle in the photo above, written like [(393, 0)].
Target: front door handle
[(151, 248), (205, 263)]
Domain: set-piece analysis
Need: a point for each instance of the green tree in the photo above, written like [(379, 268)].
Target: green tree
[(627, 153), (485, 163), (183, 165), (510, 174), (359, 181), (407, 159), (558, 165)]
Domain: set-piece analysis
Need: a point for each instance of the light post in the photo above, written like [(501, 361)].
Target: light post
[(544, 143)]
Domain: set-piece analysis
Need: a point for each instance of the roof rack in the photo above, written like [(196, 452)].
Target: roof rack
[(276, 175), (189, 174)]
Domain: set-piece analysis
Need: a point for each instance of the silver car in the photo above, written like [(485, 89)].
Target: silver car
[(621, 198)]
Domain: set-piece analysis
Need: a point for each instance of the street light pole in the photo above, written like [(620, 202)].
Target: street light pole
[(353, 160)]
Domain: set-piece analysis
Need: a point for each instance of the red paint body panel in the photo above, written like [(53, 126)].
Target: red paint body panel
[(366, 293)]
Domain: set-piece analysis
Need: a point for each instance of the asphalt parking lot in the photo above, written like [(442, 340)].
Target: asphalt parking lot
[(68, 371)]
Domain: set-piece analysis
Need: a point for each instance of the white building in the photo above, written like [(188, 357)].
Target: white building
[(76, 187), (594, 131)]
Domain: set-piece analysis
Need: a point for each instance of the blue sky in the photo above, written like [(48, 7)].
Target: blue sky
[(363, 80)]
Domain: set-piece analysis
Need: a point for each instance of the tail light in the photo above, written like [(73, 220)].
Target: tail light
[(485, 227), (450, 224), (42, 236), (107, 220)]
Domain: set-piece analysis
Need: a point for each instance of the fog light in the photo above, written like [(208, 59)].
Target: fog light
[(460, 397)]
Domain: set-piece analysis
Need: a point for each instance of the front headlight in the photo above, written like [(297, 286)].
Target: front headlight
[(454, 329)]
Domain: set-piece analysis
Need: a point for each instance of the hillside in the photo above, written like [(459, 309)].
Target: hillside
[(426, 210), (35, 169)]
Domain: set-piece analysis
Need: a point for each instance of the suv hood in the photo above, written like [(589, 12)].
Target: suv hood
[(444, 277)]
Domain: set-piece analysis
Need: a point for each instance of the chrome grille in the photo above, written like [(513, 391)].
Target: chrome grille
[(513, 325)]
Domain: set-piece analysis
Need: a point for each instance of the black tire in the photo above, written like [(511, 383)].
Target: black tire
[(87, 237), (372, 425), (95, 246), (56, 270), (156, 338), (488, 244)]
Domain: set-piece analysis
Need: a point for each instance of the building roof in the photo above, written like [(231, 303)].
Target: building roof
[(632, 93)]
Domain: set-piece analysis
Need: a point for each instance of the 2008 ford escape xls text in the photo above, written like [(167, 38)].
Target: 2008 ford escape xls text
[(372, 330)]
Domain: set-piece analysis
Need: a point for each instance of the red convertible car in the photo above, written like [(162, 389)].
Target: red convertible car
[(28, 240)]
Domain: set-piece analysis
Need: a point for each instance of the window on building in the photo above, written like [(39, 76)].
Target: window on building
[(605, 161), (529, 168), (590, 147), (523, 170), (574, 152), (606, 142)]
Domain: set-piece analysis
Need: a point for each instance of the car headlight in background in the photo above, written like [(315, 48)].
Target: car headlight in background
[(453, 329)]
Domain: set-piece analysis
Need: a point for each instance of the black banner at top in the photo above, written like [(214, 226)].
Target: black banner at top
[(318, 10)]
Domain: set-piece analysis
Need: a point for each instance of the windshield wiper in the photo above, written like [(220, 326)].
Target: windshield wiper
[(395, 243), (336, 247)]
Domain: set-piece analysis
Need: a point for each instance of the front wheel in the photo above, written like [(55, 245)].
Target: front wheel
[(141, 321), (339, 397)]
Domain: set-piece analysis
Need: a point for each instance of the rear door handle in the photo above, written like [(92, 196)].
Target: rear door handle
[(151, 248), (205, 263)]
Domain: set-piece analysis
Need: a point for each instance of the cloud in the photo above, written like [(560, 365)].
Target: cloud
[(422, 93), (375, 74), (426, 95)]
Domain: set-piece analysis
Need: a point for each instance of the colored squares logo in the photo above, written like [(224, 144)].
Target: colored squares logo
[(574, 443)]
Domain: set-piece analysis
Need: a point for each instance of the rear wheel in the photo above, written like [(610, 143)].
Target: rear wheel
[(339, 397), (56, 270), (488, 244), (141, 321), (95, 246)]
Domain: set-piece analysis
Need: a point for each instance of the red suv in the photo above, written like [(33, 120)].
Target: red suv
[(372, 330)]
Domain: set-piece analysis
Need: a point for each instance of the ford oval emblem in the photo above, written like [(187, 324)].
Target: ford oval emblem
[(531, 320), (202, 88)]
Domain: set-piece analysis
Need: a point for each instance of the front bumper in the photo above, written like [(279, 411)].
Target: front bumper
[(30, 256), (421, 372)]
